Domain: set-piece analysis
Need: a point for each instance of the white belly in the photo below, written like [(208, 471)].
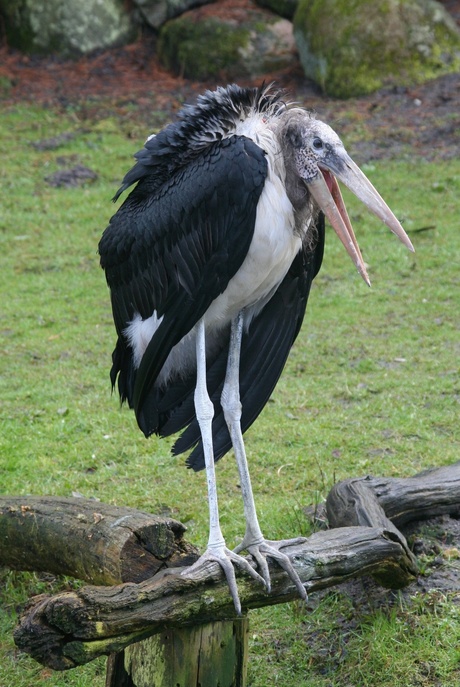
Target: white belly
[(271, 253), (270, 256)]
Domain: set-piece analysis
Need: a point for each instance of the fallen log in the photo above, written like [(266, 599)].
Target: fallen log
[(72, 628), (429, 493), (75, 627), (89, 540)]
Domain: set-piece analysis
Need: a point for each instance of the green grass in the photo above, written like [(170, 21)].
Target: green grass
[(414, 644), (371, 387)]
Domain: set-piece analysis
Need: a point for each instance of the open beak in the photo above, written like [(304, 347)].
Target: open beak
[(325, 190)]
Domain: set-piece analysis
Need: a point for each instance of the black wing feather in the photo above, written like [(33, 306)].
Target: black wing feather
[(174, 251)]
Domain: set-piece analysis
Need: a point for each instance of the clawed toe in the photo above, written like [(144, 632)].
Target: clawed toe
[(271, 549), (227, 559)]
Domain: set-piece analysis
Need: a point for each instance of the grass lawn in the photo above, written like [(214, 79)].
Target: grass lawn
[(371, 386)]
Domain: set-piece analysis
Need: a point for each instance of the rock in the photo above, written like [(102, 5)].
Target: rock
[(221, 41), (71, 28), (354, 47), (156, 12), (284, 8)]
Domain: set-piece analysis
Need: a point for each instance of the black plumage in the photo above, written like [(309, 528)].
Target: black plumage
[(210, 261), (172, 247)]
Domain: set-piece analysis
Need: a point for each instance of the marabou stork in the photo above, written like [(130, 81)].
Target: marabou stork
[(209, 261)]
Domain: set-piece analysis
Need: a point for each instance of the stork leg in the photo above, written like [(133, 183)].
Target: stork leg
[(216, 549), (253, 540)]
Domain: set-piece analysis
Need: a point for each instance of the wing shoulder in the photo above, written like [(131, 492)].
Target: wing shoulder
[(188, 235)]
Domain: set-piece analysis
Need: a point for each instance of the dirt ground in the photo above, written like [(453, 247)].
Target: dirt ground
[(436, 544), (422, 122)]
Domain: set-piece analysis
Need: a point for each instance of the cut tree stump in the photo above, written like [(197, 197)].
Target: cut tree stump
[(72, 628)]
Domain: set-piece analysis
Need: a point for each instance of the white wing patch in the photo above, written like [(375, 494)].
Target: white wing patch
[(139, 332)]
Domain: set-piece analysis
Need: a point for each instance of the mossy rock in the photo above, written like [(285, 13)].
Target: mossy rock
[(71, 28), (156, 12), (5, 86), (354, 47), (200, 49), (203, 47)]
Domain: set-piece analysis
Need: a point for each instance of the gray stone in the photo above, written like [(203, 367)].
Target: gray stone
[(354, 47), (201, 45), (71, 28)]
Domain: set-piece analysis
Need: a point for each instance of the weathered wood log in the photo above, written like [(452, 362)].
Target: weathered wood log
[(75, 627), (89, 540), (431, 492)]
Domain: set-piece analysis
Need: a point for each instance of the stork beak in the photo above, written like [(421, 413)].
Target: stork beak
[(325, 190)]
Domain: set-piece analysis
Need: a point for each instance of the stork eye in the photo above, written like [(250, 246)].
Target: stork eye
[(317, 143)]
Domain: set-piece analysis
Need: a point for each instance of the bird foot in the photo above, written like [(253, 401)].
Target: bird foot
[(263, 549), (226, 559)]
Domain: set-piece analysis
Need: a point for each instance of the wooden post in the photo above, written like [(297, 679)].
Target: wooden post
[(210, 655)]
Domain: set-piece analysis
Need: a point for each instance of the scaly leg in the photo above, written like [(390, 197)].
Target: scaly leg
[(253, 540), (216, 549)]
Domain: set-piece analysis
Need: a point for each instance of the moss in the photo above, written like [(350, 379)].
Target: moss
[(199, 50), (353, 47)]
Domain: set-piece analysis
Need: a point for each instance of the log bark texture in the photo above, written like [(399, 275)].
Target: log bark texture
[(74, 627), (89, 540), (429, 493)]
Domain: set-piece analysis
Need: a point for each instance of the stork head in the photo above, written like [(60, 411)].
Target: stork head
[(315, 156)]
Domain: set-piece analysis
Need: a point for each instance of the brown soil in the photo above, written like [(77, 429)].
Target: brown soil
[(423, 121)]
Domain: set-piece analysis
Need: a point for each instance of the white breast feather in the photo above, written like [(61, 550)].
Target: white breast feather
[(271, 253)]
